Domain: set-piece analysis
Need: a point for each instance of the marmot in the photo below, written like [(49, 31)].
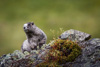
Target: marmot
[(35, 37)]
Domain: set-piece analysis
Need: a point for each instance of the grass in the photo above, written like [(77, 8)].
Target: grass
[(51, 14)]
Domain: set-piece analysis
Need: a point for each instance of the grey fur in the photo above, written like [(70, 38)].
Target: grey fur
[(35, 37)]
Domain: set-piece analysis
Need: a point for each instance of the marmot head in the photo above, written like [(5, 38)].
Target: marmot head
[(29, 27)]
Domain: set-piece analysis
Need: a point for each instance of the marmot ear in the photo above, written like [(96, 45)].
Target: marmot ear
[(32, 23)]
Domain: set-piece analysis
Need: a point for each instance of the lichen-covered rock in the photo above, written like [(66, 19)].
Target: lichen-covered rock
[(90, 55), (42, 54), (17, 58), (75, 35)]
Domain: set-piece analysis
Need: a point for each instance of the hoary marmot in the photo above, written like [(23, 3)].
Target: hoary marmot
[(35, 37)]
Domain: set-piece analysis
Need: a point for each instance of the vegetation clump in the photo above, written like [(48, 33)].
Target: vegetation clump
[(62, 51)]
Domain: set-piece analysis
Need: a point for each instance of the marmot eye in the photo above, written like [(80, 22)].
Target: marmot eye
[(32, 23)]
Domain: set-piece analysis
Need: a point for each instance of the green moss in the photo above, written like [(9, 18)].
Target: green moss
[(51, 64), (62, 51)]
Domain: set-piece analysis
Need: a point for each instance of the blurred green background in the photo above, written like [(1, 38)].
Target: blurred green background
[(83, 15)]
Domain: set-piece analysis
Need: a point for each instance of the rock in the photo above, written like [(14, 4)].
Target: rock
[(15, 59), (90, 56), (42, 54), (75, 35)]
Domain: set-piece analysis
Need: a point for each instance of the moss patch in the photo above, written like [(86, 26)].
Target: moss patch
[(62, 51)]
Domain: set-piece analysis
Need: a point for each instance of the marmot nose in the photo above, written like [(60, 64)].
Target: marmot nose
[(25, 26)]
